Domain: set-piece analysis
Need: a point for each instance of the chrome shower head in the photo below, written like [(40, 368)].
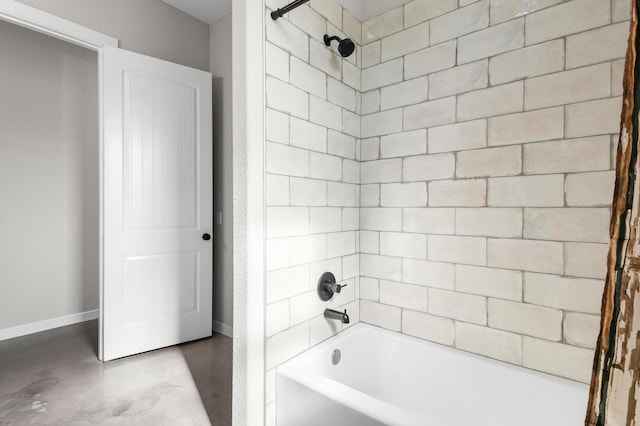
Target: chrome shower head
[(345, 47)]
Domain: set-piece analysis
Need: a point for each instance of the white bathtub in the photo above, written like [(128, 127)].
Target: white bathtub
[(386, 378)]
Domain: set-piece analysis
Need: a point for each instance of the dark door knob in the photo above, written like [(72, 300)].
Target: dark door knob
[(206, 237)]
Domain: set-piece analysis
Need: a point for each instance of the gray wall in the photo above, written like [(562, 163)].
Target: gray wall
[(48, 178), (150, 27), (220, 66)]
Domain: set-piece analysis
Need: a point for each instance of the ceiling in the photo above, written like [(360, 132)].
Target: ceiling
[(210, 11), (367, 9)]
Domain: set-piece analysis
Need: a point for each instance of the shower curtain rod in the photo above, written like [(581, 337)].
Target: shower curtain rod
[(288, 8)]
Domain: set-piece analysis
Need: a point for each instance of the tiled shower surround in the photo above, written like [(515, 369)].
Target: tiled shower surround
[(456, 171), (312, 180)]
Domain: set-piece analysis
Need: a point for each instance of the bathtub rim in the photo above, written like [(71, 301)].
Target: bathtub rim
[(297, 361)]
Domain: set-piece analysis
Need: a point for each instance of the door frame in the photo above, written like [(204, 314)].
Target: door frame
[(37, 20)]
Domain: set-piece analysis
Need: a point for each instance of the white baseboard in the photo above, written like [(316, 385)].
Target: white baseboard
[(222, 328), (36, 327), (49, 324)]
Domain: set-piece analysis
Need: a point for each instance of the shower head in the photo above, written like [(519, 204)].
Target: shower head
[(345, 47)]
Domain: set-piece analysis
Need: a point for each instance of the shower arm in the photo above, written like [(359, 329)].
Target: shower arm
[(328, 40), (288, 8)]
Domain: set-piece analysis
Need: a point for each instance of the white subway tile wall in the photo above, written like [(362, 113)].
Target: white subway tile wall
[(313, 178), (520, 105), (456, 171)]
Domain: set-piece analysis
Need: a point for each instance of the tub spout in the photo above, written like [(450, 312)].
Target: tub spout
[(337, 315)]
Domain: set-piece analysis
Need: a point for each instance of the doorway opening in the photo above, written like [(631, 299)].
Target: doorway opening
[(49, 181)]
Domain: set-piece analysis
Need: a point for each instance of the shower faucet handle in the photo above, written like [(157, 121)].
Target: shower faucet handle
[(335, 287), (327, 286)]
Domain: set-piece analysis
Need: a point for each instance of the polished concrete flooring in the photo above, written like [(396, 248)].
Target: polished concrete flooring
[(55, 378)]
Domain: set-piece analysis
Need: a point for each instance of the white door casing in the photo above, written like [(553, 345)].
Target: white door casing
[(157, 183)]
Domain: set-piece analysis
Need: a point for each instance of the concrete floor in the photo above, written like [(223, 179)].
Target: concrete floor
[(55, 378)]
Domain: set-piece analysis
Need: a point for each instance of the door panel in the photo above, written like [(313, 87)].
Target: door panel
[(160, 158), (157, 185)]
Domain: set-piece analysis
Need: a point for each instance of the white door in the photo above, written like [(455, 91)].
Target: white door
[(157, 209)]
